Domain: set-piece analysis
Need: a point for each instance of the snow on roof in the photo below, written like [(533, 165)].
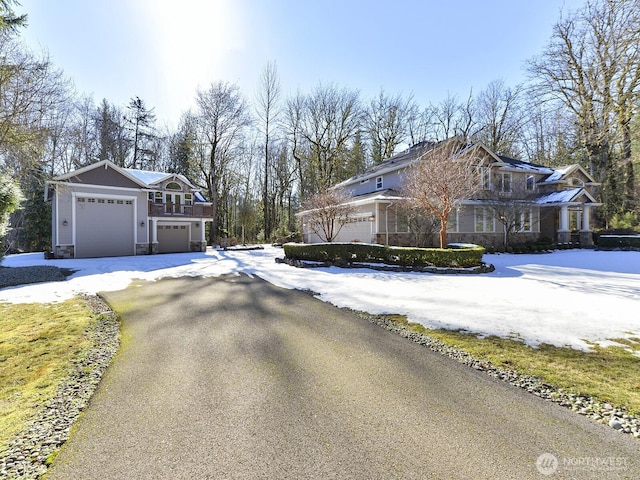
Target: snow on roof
[(558, 173), (146, 176), (526, 166), (149, 178), (562, 196)]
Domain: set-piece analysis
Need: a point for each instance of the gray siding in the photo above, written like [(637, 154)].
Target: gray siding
[(104, 176)]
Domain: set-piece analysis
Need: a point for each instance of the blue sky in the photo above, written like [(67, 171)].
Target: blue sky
[(163, 50)]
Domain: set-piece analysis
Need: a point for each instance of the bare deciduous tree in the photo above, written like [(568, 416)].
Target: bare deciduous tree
[(320, 127), (327, 212), (500, 117), (386, 122), (592, 68), (268, 111), (440, 179), (222, 116)]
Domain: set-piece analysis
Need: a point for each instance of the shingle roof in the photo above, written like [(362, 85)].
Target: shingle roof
[(393, 163), (526, 166), (562, 196)]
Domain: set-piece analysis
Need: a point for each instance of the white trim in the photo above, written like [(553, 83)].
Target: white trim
[(104, 187)]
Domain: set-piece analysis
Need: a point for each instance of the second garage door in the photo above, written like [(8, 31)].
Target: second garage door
[(173, 238)]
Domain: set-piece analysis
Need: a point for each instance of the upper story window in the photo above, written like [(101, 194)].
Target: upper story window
[(531, 183), (504, 182), (378, 183), (173, 186), (188, 199), (575, 182), (485, 178)]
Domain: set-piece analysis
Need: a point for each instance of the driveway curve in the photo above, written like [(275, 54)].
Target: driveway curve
[(234, 378)]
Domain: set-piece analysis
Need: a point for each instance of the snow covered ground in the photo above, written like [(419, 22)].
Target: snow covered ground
[(563, 298)]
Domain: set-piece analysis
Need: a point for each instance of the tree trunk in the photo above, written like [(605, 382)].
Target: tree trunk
[(443, 231)]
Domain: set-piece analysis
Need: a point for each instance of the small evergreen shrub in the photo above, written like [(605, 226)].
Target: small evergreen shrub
[(467, 256), (619, 241)]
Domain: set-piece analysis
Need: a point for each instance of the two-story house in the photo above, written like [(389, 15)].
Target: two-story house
[(553, 202), (103, 210)]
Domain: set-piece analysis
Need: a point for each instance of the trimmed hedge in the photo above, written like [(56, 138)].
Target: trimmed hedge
[(619, 241), (407, 256)]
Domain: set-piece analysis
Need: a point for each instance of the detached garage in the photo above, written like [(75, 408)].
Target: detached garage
[(104, 210)]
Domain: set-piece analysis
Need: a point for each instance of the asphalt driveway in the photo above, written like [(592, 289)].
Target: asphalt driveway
[(233, 378)]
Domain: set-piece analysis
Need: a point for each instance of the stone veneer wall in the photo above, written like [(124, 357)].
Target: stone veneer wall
[(142, 249), (198, 246), (64, 251)]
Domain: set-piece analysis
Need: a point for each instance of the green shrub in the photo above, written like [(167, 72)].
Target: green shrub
[(466, 256), (619, 241)]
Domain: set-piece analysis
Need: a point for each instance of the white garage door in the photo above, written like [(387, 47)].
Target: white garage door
[(358, 229), (104, 227), (173, 238)]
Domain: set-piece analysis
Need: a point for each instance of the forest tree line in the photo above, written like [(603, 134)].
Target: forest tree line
[(258, 158)]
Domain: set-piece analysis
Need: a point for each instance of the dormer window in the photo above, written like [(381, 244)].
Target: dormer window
[(575, 182), (531, 183), (378, 183), (485, 178), (505, 182)]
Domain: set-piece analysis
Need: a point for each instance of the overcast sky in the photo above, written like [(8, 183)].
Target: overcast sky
[(163, 50)]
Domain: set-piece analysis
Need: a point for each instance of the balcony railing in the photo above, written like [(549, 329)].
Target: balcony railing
[(178, 210)]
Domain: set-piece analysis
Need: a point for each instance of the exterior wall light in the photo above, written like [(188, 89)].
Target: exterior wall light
[(65, 223), (197, 225), (142, 223)]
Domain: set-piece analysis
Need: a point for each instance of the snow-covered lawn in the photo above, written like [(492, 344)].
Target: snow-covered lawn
[(562, 298)]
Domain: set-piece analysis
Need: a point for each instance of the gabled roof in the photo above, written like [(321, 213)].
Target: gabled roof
[(521, 165), (393, 163), (102, 164), (562, 173), (153, 178), (144, 178), (565, 196)]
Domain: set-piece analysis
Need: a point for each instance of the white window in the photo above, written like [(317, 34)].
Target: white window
[(483, 220), (505, 182), (524, 222), (188, 199), (531, 183), (379, 183), (452, 224), (485, 178)]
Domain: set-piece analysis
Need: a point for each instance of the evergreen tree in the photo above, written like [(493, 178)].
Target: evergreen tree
[(9, 21), (35, 232), (141, 123)]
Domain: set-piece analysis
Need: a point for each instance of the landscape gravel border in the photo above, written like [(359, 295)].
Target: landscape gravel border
[(28, 455)]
